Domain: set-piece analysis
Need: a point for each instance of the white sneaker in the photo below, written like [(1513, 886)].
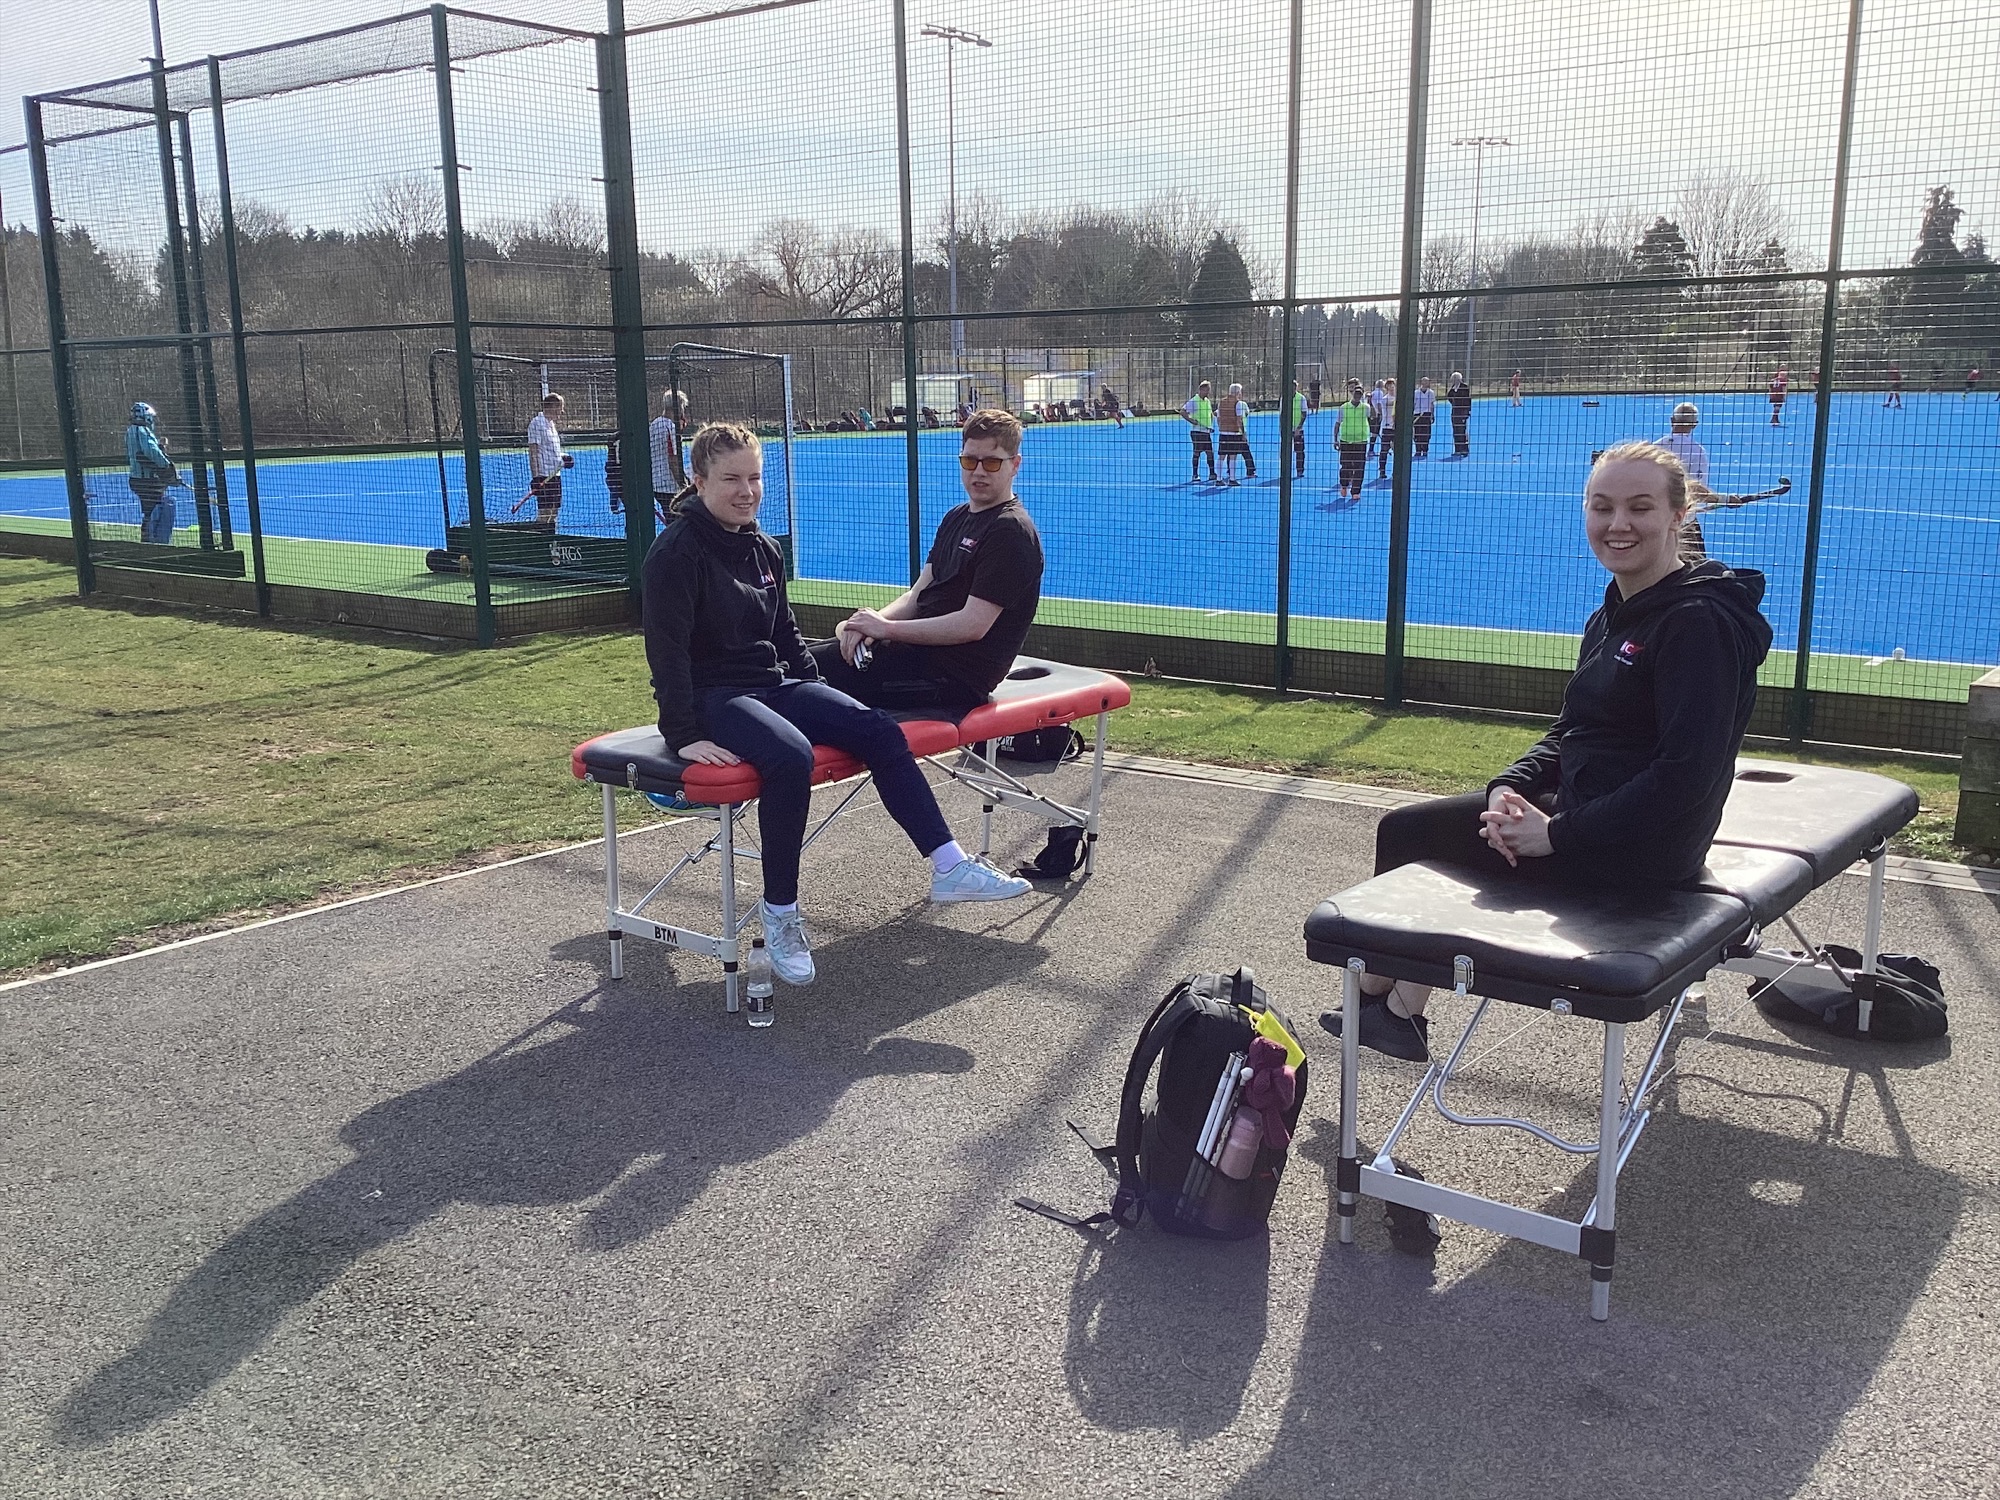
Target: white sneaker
[(785, 941), (975, 879)]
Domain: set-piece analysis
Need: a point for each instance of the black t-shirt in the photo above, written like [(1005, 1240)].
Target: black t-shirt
[(995, 555)]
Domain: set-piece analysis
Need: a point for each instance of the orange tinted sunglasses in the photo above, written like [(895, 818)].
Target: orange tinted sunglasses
[(991, 465)]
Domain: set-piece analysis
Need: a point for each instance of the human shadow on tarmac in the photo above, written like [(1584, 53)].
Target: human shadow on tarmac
[(621, 1075), (1761, 1284)]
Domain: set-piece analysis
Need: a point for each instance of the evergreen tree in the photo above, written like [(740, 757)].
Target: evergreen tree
[(1221, 277), (1662, 251), (1937, 236), (1932, 308)]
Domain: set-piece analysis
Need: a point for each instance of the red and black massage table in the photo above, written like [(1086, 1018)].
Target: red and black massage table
[(1035, 695)]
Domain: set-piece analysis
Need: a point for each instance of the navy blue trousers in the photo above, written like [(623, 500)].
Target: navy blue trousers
[(776, 728)]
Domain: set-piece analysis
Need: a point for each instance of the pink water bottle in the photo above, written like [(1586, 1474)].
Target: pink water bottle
[(1239, 1150)]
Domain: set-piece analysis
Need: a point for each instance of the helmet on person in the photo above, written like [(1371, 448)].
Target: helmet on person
[(1687, 412), (142, 414)]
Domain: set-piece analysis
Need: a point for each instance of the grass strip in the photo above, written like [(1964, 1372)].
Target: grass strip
[(374, 568), (159, 770)]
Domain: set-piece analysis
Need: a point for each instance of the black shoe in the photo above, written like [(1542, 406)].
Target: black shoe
[(1411, 1230), (1385, 1031)]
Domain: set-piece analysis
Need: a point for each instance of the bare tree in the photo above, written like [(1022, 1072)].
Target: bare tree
[(406, 211), (1727, 219), (845, 273), (1180, 225), (571, 226), (1447, 266)]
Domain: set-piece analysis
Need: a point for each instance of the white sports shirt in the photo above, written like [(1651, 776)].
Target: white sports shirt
[(544, 447), (1693, 457), (662, 433)]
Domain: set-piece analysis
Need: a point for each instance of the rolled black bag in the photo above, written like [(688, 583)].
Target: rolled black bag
[(1907, 994)]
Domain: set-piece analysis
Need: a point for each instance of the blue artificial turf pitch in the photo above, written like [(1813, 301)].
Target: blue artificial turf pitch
[(1909, 546)]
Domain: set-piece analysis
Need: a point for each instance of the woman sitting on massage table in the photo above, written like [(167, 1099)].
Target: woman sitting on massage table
[(1628, 785), (735, 682)]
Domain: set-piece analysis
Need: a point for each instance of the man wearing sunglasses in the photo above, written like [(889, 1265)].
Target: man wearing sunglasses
[(953, 634)]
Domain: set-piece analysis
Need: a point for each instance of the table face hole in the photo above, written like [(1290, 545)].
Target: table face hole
[(1778, 777), (1027, 674)]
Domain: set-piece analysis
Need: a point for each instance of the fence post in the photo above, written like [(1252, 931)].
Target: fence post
[(1415, 141), (911, 403), (628, 313), (7, 338), (1800, 717), (461, 326), (211, 401), (45, 226), (238, 346), (1282, 655), (183, 317)]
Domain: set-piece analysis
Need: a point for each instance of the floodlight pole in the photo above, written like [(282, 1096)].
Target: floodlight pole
[(953, 37), (1479, 143)]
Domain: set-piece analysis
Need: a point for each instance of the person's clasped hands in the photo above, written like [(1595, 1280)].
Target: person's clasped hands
[(1515, 827)]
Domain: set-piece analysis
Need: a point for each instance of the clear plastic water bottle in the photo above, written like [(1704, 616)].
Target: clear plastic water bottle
[(757, 985)]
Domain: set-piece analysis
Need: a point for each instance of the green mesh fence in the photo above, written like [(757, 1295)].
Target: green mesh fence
[(1101, 221)]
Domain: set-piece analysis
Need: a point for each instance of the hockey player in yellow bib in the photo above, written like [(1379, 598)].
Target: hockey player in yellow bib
[(1199, 414), (1350, 437)]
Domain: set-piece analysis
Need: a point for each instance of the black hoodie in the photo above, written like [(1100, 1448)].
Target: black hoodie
[(1642, 755), (716, 615)]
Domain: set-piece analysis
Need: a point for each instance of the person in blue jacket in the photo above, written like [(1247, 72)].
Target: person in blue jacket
[(150, 475), (1627, 787)]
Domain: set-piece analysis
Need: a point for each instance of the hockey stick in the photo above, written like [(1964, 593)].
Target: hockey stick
[(1714, 501)]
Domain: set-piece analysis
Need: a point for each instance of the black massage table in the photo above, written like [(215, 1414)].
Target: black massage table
[(1601, 955)]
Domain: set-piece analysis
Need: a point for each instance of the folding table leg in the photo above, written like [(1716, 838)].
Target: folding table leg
[(612, 929), (986, 808), (1871, 932), (1347, 1170), (1096, 796), (727, 865), (1599, 1240)]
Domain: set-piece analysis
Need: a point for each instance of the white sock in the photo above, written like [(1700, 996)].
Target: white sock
[(781, 911), (947, 856)]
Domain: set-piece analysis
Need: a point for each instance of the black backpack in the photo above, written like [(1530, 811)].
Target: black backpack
[(1058, 743), (1204, 1022), (1908, 996)]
